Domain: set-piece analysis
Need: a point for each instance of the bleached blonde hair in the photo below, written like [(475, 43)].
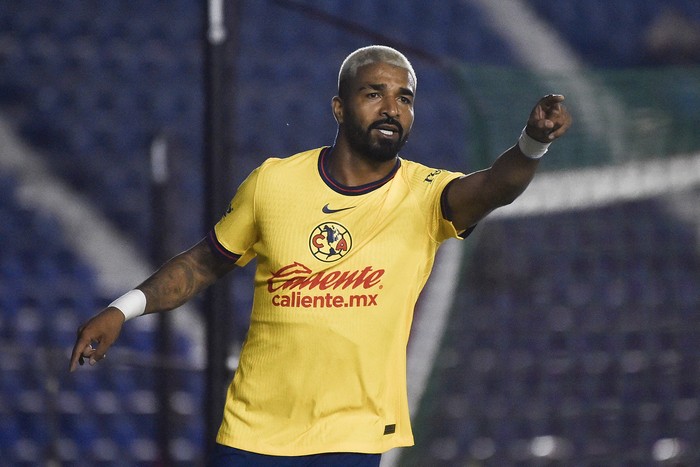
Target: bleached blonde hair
[(368, 55)]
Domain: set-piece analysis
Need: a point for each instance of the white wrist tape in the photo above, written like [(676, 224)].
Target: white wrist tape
[(530, 147), (131, 304)]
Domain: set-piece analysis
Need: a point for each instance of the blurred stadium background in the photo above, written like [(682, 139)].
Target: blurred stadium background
[(565, 331)]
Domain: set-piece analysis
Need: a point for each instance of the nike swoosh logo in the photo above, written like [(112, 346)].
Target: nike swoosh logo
[(328, 210)]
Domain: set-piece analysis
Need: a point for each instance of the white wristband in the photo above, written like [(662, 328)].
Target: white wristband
[(530, 147), (131, 304)]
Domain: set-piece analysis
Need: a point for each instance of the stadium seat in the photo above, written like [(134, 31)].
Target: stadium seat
[(572, 339)]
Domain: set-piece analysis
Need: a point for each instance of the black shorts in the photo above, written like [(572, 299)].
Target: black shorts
[(225, 456)]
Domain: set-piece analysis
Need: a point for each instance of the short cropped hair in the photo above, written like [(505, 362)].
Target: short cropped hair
[(366, 56)]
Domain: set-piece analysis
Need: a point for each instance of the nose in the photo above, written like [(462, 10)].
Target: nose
[(390, 108)]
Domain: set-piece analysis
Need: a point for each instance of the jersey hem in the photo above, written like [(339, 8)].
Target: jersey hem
[(360, 448)]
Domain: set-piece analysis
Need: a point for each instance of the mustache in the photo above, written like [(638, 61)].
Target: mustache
[(387, 121)]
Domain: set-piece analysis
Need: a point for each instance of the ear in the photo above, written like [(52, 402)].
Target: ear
[(337, 106)]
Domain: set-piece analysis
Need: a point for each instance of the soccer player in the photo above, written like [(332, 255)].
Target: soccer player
[(345, 237)]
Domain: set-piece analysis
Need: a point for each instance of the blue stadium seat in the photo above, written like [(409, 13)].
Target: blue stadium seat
[(90, 85), (611, 34)]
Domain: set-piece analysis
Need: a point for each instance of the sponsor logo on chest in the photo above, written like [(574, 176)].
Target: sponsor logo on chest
[(297, 285)]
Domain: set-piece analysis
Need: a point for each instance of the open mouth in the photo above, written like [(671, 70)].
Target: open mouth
[(387, 129)]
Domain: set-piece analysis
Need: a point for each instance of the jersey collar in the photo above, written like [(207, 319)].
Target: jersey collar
[(350, 190)]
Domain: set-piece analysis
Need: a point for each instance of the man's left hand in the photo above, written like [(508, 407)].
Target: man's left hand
[(549, 119)]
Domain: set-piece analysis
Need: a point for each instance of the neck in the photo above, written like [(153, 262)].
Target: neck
[(351, 168)]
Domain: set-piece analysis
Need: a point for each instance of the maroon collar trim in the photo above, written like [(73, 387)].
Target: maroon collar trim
[(350, 190)]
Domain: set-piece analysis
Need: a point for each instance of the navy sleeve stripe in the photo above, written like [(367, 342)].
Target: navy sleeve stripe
[(447, 212), (467, 232), (219, 249)]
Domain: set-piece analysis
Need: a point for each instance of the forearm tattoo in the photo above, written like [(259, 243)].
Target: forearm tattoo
[(181, 278)]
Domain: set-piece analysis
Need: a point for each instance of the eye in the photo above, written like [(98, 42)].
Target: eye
[(373, 95), (405, 100)]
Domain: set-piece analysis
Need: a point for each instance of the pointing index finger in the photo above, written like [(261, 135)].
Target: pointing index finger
[(80, 346), (554, 98)]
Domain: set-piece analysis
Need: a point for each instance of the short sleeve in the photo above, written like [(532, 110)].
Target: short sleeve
[(439, 220), (236, 233)]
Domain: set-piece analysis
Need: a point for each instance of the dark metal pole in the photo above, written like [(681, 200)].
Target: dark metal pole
[(159, 254), (217, 173)]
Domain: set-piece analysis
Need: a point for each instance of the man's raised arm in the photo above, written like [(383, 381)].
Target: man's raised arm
[(472, 197)]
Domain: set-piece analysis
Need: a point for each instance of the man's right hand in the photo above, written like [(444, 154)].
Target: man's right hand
[(102, 329)]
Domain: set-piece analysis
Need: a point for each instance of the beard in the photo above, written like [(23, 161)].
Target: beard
[(379, 150)]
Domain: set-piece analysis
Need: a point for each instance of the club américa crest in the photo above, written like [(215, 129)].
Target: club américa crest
[(329, 242)]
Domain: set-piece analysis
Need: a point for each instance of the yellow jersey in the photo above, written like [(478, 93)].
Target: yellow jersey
[(339, 270)]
